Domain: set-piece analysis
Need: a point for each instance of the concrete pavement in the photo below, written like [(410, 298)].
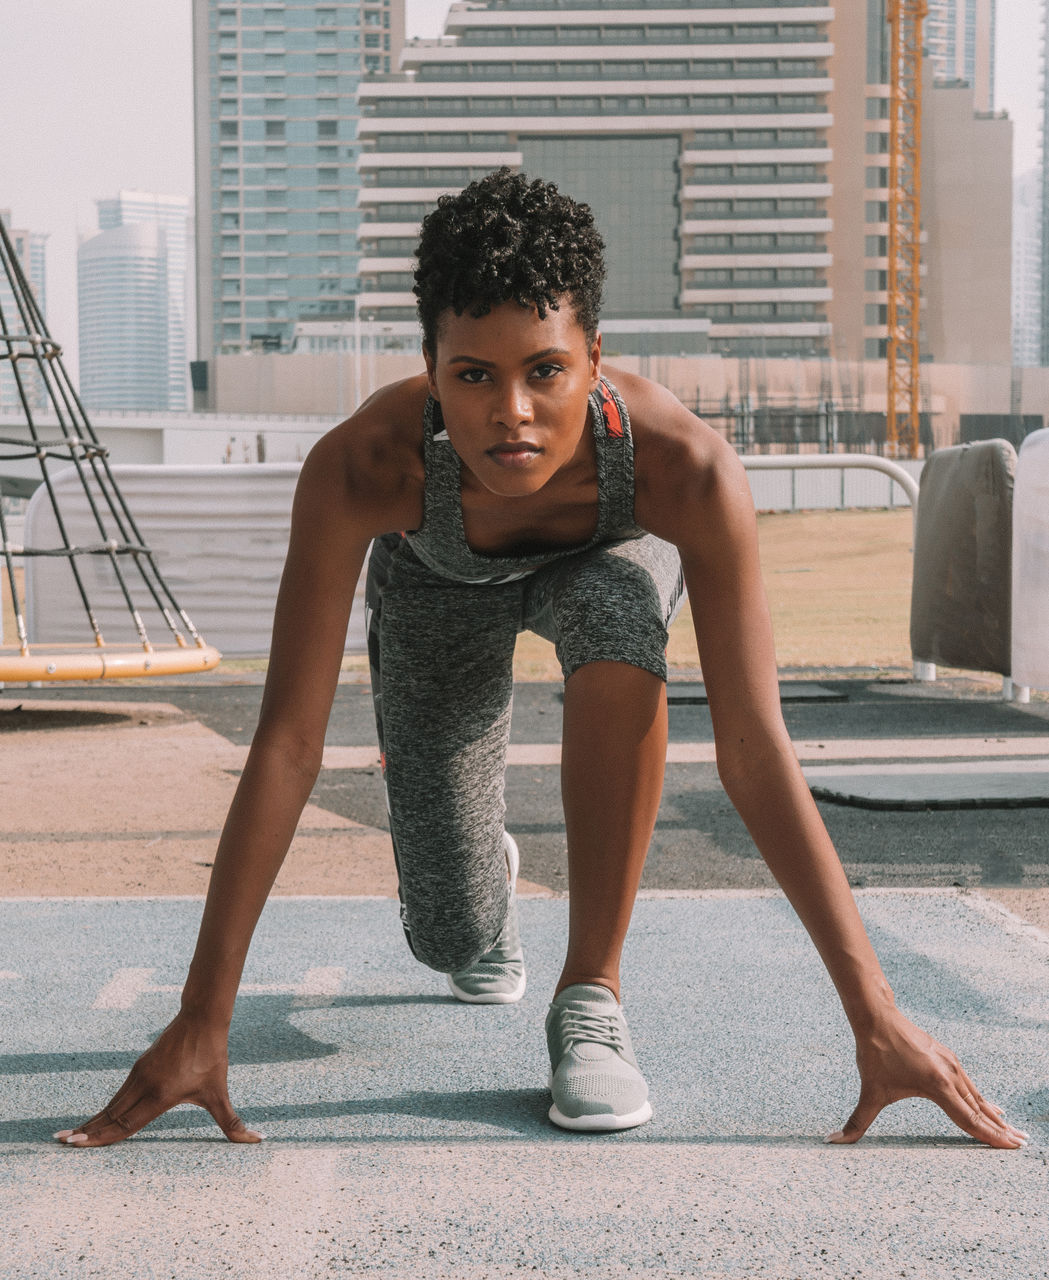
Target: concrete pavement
[(406, 1133)]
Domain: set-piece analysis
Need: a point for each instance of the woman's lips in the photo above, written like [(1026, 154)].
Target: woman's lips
[(517, 454)]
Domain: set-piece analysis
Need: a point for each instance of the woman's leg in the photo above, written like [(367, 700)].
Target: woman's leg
[(441, 656), (613, 751), (607, 612)]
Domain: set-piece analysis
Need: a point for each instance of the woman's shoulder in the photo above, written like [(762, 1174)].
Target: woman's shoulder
[(679, 460), (665, 432), (376, 455)]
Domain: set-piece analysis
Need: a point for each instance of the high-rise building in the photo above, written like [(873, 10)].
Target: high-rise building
[(698, 136), (275, 87), (959, 42), (122, 301), (132, 283), (1027, 267), (1044, 281), (31, 250), (171, 214), (966, 184), (736, 159)]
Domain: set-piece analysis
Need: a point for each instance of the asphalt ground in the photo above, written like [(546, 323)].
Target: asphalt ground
[(406, 1134), (700, 842)]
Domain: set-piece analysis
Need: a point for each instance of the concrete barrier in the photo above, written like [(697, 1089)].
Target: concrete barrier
[(961, 597)]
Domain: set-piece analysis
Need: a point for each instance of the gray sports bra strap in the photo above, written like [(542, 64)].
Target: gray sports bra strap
[(440, 542), (615, 458)]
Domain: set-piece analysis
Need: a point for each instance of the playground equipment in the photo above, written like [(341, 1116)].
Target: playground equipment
[(53, 429)]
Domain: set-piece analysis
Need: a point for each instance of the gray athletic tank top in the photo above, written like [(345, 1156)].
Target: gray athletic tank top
[(440, 541)]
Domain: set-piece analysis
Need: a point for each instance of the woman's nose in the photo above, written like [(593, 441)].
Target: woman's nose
[(514, 405)]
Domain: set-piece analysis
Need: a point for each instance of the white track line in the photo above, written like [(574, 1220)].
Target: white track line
[(823, 750)]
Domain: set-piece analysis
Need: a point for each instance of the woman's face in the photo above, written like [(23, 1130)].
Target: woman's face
[(513, 392)]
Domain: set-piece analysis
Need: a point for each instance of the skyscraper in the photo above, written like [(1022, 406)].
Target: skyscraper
[(1027, 268), (959, 39), (31, 250), (131, 281), (275, 89), (170, 213), (122, 309)]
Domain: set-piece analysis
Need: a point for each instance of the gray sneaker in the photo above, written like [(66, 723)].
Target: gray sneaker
[(498, 977), (594, 1076)]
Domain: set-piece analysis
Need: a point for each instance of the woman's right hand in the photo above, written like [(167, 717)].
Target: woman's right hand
[(188, 1062)]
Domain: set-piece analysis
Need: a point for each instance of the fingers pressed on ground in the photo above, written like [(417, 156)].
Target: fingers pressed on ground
[(967, 1113), (235, 1129), (858, 1123), (113, 1124), (221, 1111)]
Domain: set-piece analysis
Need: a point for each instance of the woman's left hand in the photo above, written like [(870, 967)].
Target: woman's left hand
[(898, 1060)]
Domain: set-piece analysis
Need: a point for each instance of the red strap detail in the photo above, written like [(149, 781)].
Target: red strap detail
[(610, 413)]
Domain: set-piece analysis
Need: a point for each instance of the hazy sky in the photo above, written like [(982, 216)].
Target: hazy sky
[(100, 94)]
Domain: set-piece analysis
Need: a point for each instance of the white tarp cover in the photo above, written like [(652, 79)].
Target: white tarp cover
[(220, 534), (1031, 563)]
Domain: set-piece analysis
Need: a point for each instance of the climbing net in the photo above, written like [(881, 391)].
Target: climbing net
[(51, 430)]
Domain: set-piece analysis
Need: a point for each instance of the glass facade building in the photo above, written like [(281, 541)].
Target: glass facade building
[(1027, 268), (123, 312), (959, 39), (276, 157), (171, 215), (31, 250), (698, 135)]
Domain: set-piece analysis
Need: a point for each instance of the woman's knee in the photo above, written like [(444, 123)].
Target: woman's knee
[(612, 613), (448, 944)]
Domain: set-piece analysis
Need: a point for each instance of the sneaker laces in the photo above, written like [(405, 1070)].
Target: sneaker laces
[(579, 1027)]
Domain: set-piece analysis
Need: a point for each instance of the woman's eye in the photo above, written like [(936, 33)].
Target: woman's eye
[(473, 376), (547, 370)]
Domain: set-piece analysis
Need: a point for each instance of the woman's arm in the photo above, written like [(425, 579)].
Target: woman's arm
[(699, 499), (348, 492)]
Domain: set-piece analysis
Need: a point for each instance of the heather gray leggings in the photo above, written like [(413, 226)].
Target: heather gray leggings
[(441, 655)]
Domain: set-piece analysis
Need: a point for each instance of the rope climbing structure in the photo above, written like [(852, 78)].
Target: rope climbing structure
[(100, 543)]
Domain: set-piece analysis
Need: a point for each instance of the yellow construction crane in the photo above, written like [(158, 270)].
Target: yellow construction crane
[(905, 18)]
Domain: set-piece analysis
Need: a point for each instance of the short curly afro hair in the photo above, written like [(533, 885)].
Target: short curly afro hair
[(504, 238)]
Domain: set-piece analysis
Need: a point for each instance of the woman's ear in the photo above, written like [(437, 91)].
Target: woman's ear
[(431, 372), (595, 363)]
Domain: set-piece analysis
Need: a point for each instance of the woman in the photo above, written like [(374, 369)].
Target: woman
[(535, 493)]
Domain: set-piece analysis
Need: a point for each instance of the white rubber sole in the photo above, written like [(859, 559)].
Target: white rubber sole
[(601, 1123), (494, 997), (513, 861)]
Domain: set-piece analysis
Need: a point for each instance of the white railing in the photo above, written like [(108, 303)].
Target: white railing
[(835, 462)]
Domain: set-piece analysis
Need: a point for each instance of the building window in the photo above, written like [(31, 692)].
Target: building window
[(327, 128), (274, 129)]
